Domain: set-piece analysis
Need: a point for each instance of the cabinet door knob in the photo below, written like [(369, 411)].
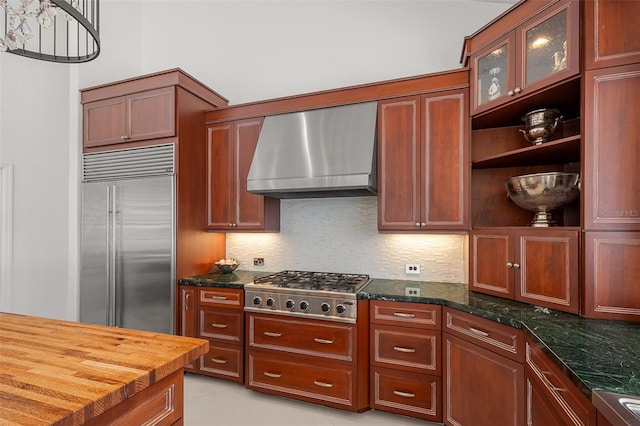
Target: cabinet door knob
[(510, 93), (509, 265), (417, 223), (517, 90), (423, 224), (516, 266)]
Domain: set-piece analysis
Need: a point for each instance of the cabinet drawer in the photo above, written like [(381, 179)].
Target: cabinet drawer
[(222, 297), (405, 314), (417, 395), (220, 323), (499, 338), (329, 383), (319, 338), (406, 349), (223, 360), (570, 402)]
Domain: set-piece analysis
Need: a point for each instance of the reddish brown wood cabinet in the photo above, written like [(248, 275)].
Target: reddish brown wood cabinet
[(612, 151), (136, 117), (551, 398), (422, 162), (215, 314), (405, 359), (611, 158), (612, 275), (187, 316), (483, 375), (612, 34), (541, 267), (544, 49), (318, 361), (230, 148)]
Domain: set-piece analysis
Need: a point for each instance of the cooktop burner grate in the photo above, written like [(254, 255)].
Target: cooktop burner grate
[(320, 281)]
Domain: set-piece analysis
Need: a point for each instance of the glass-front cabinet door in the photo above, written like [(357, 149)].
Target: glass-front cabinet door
[(550, 47), (539, 52), (494, 72)]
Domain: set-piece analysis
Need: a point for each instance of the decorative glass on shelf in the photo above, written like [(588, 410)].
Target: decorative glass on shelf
[(492, 74), (546, 45)]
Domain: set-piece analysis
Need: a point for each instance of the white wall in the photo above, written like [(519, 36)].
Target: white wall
[(245, 50)]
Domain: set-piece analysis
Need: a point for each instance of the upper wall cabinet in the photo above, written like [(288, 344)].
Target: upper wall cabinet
[(230, 148), (423, 162), (541, 51), (139, 116), (143, 110), (612, 33)]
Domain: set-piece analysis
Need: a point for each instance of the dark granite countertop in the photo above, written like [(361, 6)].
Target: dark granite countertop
[(236, 279), (594, 354)]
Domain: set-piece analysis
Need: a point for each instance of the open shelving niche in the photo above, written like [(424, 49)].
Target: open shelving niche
[(499, 151)]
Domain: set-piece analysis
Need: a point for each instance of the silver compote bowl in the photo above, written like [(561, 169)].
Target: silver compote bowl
[(543, 192)]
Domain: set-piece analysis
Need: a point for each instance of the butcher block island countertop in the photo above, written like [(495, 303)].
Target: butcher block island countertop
[(56, 372)]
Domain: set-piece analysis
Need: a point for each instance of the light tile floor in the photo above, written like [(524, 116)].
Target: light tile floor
[(214, 402)]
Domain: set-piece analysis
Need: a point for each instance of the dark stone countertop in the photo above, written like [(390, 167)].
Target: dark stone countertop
[(594, 354), (236, 279)]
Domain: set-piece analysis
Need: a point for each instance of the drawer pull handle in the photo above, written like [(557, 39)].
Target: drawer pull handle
[(404, 350), (323, 341), (547, 382), (478, 332), (218, 298), (219, 325), (271, 334), (403, 315), (322, 384), (219, 361), (272, 375), (404, 394)]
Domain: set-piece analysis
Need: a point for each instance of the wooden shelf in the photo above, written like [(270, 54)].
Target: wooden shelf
[(566, 150)]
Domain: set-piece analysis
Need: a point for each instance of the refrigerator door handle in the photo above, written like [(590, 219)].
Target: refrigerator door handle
[(111, 243)]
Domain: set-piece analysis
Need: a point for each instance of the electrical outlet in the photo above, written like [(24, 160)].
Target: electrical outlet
[(258, 261), (411, 268), (412, 291)]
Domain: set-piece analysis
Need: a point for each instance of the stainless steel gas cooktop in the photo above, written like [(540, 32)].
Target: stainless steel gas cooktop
[(326, 295)]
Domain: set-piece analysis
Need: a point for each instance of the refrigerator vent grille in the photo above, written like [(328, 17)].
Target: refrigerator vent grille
[(128, 163)]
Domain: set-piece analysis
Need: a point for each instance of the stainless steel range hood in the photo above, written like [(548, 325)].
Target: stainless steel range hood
[(329, 152)]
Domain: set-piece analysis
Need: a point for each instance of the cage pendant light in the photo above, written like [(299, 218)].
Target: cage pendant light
[(51, 30)]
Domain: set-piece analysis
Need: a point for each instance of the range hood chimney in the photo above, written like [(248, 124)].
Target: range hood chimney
[(322, 153)]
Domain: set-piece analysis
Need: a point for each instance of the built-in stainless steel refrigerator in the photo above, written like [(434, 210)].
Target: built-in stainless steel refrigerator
[(127, 239)]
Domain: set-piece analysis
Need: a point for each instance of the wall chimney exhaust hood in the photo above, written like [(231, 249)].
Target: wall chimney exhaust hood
[(328, 152)]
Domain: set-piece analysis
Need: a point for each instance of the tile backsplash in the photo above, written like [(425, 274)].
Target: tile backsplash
[(341, 235)]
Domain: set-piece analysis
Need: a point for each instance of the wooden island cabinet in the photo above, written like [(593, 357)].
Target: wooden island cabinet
[(68, 373)]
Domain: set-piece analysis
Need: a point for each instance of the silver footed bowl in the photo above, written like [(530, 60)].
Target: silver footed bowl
[(543, 192), (540, 125)]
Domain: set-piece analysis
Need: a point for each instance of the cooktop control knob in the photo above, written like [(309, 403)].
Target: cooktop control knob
[(304, 305), (290, 304), (270, 302), (340, 309), (325, 307), (257, 300)]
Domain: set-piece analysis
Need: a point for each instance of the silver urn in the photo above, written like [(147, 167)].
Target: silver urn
[(540, 125), (543, 192)]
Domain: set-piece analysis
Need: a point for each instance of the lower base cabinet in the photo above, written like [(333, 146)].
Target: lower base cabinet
[(551, 398), (483, 372), (215, 314), (313, 360), (405, 358)]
